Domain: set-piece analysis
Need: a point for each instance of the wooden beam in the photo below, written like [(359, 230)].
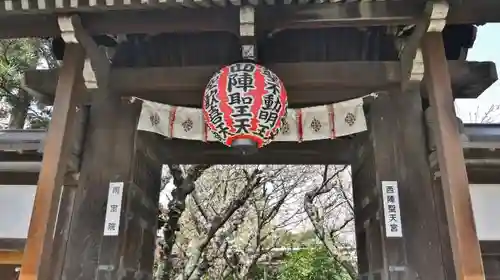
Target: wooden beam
[(126, 22), (179, 151), (464, 242), (10, 257), (12, 244), (18, 178), (433, 18), (147, 20), (293, 75), (184, 86), (306, 82), (248, 39), (348, 14), (474, 12), (64, 216), (370, 13), (96, 69), (36, 261), (470, 81)]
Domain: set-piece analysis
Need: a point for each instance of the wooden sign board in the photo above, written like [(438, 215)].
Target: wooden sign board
[(392, 212), (113, 209)]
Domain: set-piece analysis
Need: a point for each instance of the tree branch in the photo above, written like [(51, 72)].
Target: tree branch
[(317, 220), (253, 181), (176, 206)]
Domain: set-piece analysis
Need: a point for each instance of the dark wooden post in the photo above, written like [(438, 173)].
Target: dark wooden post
[(396, 151), (37, 256), (130, 255), (462, 230), (377, 162), (66, 203), (112, 153)]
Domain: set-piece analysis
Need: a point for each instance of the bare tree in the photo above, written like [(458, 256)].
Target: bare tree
[(489, 115), (184, 185), (198, 261), (230, 218), (273, 207), (327, 229)]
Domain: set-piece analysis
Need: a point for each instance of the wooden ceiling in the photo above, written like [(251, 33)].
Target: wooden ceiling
[(145, 16)]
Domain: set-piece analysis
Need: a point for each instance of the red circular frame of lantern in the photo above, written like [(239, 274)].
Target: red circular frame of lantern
[(244, 101)]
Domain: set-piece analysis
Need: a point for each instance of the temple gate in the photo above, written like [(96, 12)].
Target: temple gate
[(402, 61)]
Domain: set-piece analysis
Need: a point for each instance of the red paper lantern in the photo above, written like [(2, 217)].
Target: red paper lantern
[(244, 103)]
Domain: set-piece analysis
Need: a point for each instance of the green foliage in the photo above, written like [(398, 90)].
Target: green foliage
[(312, 263), (17, 56), (297, 240), (265, 273)]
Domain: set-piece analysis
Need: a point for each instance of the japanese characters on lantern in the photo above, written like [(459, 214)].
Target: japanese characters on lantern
[(244, 101)]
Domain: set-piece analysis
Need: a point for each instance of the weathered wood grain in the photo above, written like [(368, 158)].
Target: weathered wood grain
[(190, 152), (396, 151), (111, 155), (120, 18), (462, 230), (306, 82), (36, 260)]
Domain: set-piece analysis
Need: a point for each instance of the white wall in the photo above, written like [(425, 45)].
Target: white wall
[(16, 204), (486, 207)]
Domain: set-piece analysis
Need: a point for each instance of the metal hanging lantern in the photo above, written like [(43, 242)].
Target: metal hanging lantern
[(243, 106)]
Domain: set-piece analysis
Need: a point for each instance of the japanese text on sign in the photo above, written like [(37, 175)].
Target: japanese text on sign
[(113, 209), (392, 213)]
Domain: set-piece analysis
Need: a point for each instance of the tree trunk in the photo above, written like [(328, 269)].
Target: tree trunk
[(184, 186), (19, 110)]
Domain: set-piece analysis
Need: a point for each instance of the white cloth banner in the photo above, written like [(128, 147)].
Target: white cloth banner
[(289, 131), (155, 117), (349, 117), (316, 123), (187, 124), (305, 124)]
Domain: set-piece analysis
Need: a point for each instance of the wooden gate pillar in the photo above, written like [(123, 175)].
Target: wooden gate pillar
[(37, 262), (395, 150), (113, 226), (455, 185)]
